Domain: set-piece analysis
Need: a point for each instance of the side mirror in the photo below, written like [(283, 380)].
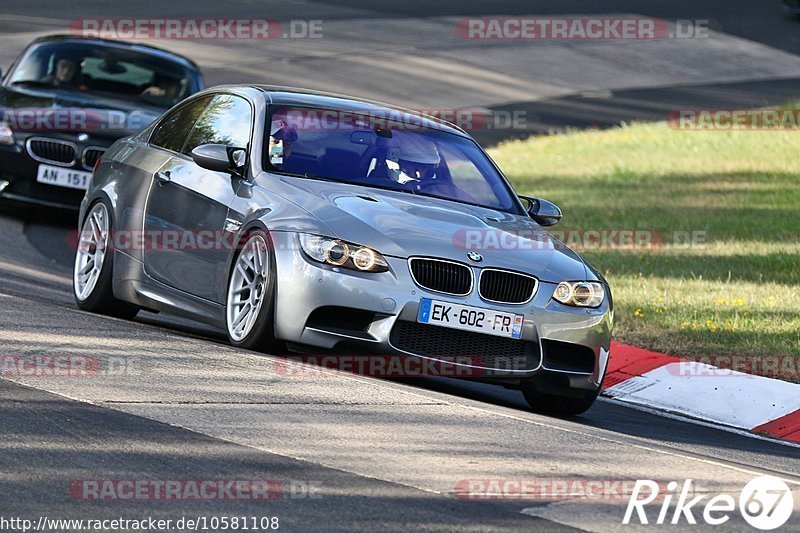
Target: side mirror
[(220, 158), (545, 213)]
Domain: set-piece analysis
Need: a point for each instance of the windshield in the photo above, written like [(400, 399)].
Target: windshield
[(89, 68), (376, 152)]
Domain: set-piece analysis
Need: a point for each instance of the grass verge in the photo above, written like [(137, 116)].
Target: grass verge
[(733, 195)]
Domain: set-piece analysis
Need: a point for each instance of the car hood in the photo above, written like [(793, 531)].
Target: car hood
[(68, 111), (402, 225)]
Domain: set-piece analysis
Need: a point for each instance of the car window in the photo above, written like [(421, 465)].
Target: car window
[(173, 129), (407, 155), (122, 71), (227, 120), (91, 68)]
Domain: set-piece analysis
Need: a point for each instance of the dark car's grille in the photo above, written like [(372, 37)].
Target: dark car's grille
[(487, 351), (441, 276), (90, 157), (506, 287), (51, 151)]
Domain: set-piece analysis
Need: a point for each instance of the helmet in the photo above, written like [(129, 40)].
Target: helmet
[(413, 158)]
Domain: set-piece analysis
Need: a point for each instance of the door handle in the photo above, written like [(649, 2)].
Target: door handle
[(163, 177)]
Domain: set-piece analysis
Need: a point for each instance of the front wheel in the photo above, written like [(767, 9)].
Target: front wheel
[(249, 308), (92, 282), (552, 404)]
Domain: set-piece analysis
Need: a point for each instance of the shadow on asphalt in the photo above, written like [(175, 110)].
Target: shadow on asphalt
[(48, 232)]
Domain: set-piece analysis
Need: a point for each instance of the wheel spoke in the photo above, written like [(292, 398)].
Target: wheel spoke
[(100, 225), (253, 263), (96, 235), (242, 314), (87, 267), (241, 268), (242, 289)]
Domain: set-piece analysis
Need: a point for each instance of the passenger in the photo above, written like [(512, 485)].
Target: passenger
[(164, 87), (281, 141)]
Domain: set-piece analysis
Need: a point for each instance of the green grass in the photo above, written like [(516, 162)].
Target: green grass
[(739, 292)]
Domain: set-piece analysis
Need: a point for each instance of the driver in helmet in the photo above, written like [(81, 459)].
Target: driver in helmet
[(414, 160)]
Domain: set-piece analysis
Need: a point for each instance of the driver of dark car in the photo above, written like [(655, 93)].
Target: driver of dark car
[(66, 74)]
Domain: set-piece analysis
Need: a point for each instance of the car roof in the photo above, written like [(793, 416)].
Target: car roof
[(292, 96), (114, 43)]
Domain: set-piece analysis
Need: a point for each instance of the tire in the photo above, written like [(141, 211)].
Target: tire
[(92, 276), (552, 404), (252, 283)]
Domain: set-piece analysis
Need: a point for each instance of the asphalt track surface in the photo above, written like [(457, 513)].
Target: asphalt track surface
[(381, 455)]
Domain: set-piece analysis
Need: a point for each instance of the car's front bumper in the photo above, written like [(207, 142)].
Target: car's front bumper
[(376, 313), (19, 170)]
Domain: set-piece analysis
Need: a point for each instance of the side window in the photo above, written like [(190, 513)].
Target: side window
[(171, 133), (227, 120)]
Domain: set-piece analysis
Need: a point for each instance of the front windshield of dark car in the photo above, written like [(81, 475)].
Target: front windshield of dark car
[(105, 70), (403, 155)]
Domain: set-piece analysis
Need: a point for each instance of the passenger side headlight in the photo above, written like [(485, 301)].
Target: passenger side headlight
[(580, 293), (6, 134), (336, 252)]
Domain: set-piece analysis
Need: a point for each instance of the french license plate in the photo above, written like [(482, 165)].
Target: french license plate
[(63, 177), (470, 318)]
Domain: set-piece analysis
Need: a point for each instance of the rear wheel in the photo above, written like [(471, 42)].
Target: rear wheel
[(92, 276), (558, 405), (249, 309)]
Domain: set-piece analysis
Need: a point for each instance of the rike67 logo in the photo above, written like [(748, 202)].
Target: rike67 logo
[(766, 503)]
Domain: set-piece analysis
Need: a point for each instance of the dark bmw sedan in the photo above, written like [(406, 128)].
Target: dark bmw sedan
[(66, 99)]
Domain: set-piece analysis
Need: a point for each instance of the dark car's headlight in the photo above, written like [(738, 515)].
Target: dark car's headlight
[(6, 134), (580, 293), (336, 252)]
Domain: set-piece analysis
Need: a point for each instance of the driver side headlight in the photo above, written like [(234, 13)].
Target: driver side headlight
[(580, 293), (340, 253), (6, 134)]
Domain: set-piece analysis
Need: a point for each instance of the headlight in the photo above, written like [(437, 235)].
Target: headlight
[(335, 252), (6, 134), (580, 293)]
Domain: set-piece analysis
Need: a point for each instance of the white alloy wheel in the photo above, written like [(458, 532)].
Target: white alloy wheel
[(247, 287), (91, 254)]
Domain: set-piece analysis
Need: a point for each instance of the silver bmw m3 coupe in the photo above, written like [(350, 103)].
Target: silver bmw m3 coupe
[(316, 223)]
